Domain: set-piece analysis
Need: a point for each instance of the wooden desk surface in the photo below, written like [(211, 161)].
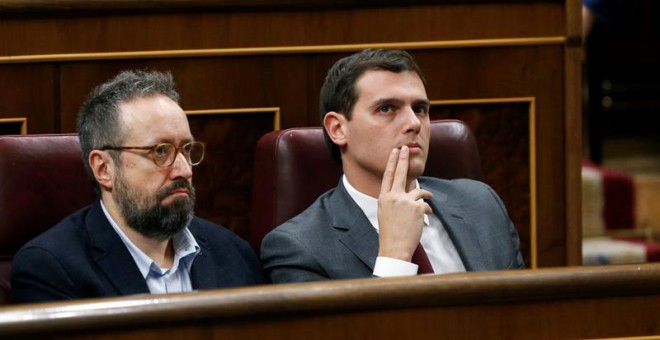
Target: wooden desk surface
[(573, 302)]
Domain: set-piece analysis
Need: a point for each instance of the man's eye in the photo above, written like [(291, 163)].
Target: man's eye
[(161, 150), (385, 109), (187, 148), (421, 110)]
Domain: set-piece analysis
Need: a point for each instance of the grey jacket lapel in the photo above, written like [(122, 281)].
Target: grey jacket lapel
[(362, 239), (359, 235), (455, 219)]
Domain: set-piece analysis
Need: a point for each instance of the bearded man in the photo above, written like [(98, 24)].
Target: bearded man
[(141, 236)]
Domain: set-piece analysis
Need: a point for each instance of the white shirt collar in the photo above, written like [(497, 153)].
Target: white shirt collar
[(368, 204)]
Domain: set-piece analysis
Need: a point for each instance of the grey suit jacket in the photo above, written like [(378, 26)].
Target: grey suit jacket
[(333, 239)]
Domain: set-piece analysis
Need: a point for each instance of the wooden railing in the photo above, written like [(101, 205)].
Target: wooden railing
[(572, 302)]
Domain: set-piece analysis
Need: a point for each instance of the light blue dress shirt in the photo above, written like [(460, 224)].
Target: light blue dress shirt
[(164, 280)]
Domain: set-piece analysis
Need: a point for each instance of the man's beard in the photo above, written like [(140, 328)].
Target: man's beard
[(148, 216)]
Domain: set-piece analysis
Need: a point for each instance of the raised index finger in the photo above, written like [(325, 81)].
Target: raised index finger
[(401, 172), (390, 168)]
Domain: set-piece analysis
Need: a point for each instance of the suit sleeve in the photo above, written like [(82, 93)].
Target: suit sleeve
[(286, 259), (38, 276)]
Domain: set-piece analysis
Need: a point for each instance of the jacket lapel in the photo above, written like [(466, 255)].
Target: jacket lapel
[(359, 236), (112, 256), (362, 239), (203, 272), (455, 220)]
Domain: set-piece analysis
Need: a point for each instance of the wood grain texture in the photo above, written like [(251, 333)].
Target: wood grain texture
[(553, 303), (234, 29), (502, 134), (279, 58)]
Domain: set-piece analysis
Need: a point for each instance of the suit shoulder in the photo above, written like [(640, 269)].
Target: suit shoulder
[(67, 233), (456, 184), (309, 221)]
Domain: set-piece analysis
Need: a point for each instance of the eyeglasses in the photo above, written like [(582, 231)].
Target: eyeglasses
[(164, 154)]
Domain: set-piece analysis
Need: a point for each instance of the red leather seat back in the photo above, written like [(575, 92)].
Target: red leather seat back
[(293, 167), (42, 180)]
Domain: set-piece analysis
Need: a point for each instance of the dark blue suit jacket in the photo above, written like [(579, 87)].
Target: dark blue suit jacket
[(83, 257)]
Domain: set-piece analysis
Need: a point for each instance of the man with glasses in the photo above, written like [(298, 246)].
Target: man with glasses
[(142, 235)]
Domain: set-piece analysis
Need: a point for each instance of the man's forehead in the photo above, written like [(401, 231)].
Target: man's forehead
[(156, 118), (368, 82)]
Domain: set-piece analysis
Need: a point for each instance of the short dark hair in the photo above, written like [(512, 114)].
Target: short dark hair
[(98, 121), (339, 94)]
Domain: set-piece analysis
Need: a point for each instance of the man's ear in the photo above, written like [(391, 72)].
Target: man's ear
[(335, 125), (101, 164)]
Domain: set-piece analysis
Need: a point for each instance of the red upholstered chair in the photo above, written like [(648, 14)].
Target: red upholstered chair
[(42, 180), (293, 167)]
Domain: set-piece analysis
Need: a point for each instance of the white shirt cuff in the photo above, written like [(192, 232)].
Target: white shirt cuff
[(389, 267)]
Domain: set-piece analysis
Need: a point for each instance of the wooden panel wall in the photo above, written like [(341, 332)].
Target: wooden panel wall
[(273, 58)]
